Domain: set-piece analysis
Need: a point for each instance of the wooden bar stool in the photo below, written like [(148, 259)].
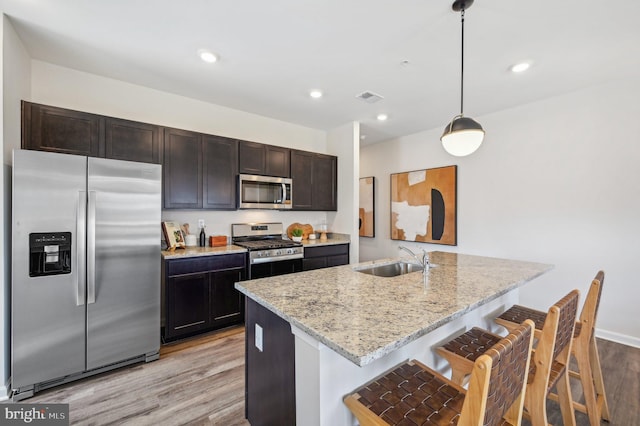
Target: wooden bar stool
[(548, 365), (583, 348), (413, 394)]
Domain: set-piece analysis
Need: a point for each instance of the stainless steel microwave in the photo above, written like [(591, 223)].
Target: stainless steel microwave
[(264, 192)]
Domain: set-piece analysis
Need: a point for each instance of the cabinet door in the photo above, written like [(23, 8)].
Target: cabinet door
[(220, 170), (324, 183), (182, 169), (314, 263), (325, 256), (277, 161), (188, 304), (339, 260), (47, 128), (301, 170), (227, 303), (132, 141), (252, 158)]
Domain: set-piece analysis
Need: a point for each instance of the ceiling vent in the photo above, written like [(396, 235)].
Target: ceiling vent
[(369, 97)]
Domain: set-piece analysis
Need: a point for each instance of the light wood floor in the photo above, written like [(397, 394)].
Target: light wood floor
[(201, 382), (196, 382)]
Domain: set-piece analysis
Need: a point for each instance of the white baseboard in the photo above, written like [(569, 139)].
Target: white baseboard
[(618, 338)]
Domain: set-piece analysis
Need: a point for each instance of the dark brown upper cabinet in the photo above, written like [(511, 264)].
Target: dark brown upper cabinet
[(220, 171), (266, 160), (48, 128), (132, 141), (53, 129), (315, 181), (301, 164), (200, 171), (182, 169)]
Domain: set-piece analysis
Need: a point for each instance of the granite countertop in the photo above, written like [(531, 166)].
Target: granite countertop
[(364, 317), (201, 251), (230, 249), (328, 242)]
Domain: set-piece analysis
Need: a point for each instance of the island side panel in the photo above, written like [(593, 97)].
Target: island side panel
[(323, 377), (270, 397)]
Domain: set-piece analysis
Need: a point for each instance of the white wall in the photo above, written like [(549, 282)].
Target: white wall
[(555, 182), (16, 71), (67, 88)]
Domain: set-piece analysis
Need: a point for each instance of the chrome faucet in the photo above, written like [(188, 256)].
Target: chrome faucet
[(424, 262)]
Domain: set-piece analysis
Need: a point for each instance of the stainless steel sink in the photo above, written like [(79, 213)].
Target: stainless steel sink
[(391, 269)]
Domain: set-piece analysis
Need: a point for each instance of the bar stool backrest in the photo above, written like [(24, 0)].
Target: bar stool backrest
[(554, 344), (586, 327), (568, 310), (508, 377)]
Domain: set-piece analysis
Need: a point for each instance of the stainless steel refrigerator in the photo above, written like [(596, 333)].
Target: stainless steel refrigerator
[(85, 267)]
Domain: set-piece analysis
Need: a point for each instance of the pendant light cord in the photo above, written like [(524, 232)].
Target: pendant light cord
[(462, 64)]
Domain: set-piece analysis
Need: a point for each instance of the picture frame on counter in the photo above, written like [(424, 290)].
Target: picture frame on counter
[(173, 235)]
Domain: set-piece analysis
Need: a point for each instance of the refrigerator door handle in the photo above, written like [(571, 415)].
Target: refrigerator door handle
[(91, 248), (81, 218)]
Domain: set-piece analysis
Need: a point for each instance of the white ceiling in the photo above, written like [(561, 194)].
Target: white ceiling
[(273, 52)]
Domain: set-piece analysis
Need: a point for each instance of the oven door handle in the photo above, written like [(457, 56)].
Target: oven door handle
[(284, 193), (259, 260)]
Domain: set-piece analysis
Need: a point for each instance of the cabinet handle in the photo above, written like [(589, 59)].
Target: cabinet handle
[(91, 248), (188, 325), (81, 247)]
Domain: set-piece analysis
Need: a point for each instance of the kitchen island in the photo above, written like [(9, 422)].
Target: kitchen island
[(323, 333)]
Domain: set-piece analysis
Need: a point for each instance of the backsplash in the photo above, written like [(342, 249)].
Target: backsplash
[(219, 222)]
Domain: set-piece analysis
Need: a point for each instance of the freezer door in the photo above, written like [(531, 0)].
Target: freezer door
[(47, 311), (123, 260)]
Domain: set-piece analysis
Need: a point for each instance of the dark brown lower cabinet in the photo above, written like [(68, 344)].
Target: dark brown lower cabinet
[(188, 304), (270, 390), (325, 256), (200, 295)]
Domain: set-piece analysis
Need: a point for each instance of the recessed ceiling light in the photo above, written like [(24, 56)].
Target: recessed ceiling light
[(207, 56), (382, 117), (315, 94), (520, 67)]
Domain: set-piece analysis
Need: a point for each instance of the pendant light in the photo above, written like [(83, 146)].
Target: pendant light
[(463, 135)]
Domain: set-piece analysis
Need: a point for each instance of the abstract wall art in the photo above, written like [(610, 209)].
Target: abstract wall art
[(424, 206), (367, 203)]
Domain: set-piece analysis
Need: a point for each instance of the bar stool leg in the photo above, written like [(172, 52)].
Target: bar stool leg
[(566, 402), (586, 378), (598, 381), (536, 407)]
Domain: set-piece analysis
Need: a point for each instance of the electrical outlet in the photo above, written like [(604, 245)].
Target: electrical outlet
[(200, 223), (258, 337)]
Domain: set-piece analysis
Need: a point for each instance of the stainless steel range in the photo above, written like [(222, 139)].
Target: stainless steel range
[(269, 253)]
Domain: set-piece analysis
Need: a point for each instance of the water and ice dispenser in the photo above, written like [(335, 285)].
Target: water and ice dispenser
[(49, 253)]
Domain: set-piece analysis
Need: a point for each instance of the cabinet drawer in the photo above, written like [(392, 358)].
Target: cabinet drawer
[(205, 264), (339, 260), (326, 250)]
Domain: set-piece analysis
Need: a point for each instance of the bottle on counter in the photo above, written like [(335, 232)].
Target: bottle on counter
[(203, 238)]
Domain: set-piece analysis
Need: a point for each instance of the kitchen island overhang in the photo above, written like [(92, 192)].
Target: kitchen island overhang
[(350, 327)]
